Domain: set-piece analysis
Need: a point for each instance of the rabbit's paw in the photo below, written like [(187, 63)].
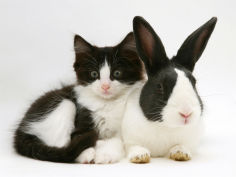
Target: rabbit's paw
[(179, 153), (138, 154)]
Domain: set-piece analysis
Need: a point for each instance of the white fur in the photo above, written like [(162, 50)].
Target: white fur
[(109, 151), (105, 74), (159, 137), (87, 156), (179, 148), (183, 99), (137, 151), (106, 151), (107, 113), (116, 89), (56, 127)]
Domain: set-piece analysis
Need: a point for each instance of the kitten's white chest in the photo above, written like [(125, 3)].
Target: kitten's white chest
[(107, 114), (108, 119)]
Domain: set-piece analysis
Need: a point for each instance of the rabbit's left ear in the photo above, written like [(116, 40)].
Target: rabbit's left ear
[(149, 46), (194, 45)]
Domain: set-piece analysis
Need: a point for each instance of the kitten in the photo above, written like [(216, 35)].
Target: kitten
[(81, 122)]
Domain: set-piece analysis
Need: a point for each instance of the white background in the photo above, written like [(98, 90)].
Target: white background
[(36, 54)]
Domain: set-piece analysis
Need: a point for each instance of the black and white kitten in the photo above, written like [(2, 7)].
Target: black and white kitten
[(81, 123)]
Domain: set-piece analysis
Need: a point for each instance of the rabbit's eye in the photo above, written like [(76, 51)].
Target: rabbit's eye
[(160, 88)]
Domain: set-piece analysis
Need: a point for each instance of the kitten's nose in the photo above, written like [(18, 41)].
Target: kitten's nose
[(105, 87), (185, 115)]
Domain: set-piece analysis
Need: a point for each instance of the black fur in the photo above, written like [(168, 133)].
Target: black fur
[(193, 47), (81, 138), (161, 71), (149, 46), (156, 93), (122, 57)]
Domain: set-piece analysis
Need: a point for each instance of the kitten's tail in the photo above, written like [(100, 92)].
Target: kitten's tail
[(31, 146)]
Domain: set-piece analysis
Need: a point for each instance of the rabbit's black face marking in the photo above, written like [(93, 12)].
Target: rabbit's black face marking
[(170, 94), (184, 105), (153, 98)]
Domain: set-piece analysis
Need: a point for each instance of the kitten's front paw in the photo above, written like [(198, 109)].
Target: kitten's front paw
[(109, 151), (87, 156), (179, 153), (105, 156), (138, 154)]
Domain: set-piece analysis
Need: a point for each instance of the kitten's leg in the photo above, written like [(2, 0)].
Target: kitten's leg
[(55, 128), (50, 139), (109, 151), (138, 154), (87, 156), (179, 153)]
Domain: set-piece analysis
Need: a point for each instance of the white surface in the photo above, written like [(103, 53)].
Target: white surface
[(36, 54)]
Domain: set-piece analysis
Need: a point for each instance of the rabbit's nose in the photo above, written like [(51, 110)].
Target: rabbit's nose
[(185, 115)]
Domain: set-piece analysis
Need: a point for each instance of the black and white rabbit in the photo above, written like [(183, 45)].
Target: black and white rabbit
[(163, 117)]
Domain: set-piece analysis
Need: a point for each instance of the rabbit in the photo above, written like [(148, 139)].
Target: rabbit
[(163, 118)]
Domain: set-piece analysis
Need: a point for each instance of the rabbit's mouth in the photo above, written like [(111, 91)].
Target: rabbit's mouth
[(185, 116)]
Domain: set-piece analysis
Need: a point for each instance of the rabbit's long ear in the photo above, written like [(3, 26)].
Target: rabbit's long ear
[(194, 45), (149, 46)]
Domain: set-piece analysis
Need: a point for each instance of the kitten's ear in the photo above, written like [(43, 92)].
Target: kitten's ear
[(194, 45), (149, 46), (128, 42), (80, 45)]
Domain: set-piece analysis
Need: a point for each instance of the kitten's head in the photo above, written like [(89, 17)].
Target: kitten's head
[(107, 71)]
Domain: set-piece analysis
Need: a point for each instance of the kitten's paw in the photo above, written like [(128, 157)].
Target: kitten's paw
[(179, 153), (105, 156), (100, 143), (87, 156), (138, 154), (109, 151)]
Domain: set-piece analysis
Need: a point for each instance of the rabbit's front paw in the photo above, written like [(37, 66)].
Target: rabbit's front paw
[(179, 153), (138, 154)]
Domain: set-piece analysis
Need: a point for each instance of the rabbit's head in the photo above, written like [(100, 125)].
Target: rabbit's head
[(170, 96)]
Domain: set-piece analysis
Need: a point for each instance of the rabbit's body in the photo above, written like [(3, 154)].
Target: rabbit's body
[(155, 136), (163, 117)]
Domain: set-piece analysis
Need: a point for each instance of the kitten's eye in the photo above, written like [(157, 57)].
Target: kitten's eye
[(94, 74), (117, 74)]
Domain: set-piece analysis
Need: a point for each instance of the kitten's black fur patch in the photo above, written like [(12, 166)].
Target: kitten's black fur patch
[(122, 57), (85, 134), (82, 137)]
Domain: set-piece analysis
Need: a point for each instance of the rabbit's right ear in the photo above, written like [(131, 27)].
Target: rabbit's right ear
[(149, 46), (194, 45)]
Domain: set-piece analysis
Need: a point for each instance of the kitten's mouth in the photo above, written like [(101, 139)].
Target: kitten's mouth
[(106, 93)]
